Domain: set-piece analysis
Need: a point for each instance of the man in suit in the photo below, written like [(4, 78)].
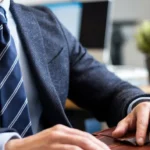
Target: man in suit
[(55, 66)]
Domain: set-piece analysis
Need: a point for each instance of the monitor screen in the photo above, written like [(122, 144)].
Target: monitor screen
[(87, 21)]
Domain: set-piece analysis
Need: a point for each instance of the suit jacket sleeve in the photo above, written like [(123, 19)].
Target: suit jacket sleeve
[(2, 130), (95, 88)]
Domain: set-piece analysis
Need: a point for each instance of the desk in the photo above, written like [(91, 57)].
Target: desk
[(146, 89), (71, 105)]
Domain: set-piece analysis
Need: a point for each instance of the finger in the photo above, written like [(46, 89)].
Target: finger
[(87, 135), (73, 132), (123, 127), (127, 124), (80, 141), (142, 125), (65, 147)]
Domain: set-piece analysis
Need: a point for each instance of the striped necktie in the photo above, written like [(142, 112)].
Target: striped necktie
[(13, 102)]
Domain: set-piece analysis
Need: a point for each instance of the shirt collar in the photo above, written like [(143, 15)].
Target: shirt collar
[(6, 5)]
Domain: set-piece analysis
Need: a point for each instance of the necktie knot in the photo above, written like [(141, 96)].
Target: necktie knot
[(3, 19)]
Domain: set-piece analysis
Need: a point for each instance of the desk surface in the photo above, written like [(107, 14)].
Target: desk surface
[(71, 105), (146, 89)]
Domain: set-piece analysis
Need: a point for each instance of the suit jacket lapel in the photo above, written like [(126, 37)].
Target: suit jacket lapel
[(32, 41)]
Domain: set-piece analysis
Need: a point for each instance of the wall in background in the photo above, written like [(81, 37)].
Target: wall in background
[(137, 10), (131, 9)]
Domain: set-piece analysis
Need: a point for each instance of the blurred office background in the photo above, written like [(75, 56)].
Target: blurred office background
[(107, 29)]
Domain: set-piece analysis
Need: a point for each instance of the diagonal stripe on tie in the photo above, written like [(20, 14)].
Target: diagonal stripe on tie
[(14, 111), (19, 114), (1, 27), (8, 73), (26, 129), (5, 50), (11, 97)]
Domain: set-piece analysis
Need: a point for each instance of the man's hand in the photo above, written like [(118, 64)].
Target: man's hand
[(58, 137), (137, 120)]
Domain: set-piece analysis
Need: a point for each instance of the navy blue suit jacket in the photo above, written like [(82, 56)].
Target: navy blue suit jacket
[(63, 69)]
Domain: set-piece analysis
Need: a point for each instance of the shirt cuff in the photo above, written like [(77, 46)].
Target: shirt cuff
[(136, 101), (5, 137)]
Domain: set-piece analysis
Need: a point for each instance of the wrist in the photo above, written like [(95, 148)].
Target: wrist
[(14, 144)]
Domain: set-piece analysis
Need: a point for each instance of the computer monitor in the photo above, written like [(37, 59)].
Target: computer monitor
[(87, 21)]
